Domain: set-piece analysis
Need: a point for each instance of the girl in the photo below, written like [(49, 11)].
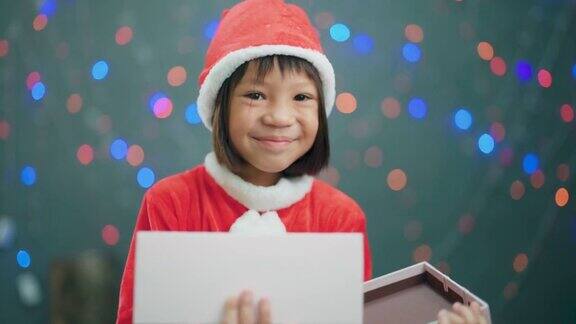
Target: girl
[(265, 93)]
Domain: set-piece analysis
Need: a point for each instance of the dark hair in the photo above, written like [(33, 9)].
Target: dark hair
[(313, 160)]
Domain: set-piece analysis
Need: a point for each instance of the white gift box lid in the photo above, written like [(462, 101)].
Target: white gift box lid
[(414, 295)]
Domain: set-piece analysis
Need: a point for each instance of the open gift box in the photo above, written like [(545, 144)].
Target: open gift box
[(414, 295)]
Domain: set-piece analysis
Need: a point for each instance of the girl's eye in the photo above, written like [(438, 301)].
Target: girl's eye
[(302, 97), (254, 95)]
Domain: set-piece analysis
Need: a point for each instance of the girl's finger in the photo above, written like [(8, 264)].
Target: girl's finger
[(465, 312), (447, 317), (246, 309), (230, 311), (264, 313)]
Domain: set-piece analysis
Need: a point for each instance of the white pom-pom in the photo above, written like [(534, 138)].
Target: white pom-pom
[(252, 223)]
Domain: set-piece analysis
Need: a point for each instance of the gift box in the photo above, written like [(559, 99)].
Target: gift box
[(414, 295)]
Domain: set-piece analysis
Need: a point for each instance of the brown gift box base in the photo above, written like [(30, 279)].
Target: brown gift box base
[(414, 295)]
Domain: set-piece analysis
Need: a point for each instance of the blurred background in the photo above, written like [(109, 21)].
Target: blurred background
[(454, 130)]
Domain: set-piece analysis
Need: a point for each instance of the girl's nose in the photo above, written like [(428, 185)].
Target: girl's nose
[(278, 116)]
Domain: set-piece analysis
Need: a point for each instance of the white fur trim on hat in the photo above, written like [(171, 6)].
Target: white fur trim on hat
[(251, 222), (281, 195), (229, 63)]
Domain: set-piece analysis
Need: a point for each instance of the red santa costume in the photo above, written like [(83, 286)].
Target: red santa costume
[(210, 197)]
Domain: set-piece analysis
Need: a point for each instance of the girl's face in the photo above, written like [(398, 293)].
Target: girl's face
[(273, 122)]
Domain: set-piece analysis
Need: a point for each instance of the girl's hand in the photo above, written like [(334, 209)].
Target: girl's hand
[(462, 314), (241, 310)]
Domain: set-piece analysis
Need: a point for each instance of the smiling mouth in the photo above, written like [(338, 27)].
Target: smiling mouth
[(274, 143)]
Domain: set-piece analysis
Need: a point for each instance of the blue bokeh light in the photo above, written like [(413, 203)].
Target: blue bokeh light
[(486, 143), (524, 70), (118, 149), (530, 163), (339, 32), (463, 119), (28, 175), (411, 52), (363, 43), (48, 7), (145, 177), (192, 116), (211, 28), (154, 97), (23, 258), (574, 71), (417, 108), (100, 70), (38, 91)]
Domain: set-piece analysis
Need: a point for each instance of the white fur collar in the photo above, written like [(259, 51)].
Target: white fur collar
[(281, 195)]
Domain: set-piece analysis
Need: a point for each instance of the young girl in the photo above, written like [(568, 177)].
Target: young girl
[(265, 93)]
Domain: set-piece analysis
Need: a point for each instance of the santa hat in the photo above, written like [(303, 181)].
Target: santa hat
[(257, 28)]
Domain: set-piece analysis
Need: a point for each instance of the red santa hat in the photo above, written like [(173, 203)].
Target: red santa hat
[(257, 28)]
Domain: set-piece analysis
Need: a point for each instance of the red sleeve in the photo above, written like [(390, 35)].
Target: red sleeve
[(352, 219), (153, 215), (361, 227)]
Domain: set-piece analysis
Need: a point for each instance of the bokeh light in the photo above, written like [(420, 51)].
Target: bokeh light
[(517, 190), (537, 179), (339, 32), (211, 28), (498, 66), (562, 196), (100, 70), (520, 262), (466, 224), (40, 22), (486, 143), (498, 131), (331, 175), (48, 7), (118, 149), (397, 179), (4, 47), (191, 114), (373, 157), (123, 35), (346, 102), (324, 20), (544, 78), (414, 33), (390, 107), (530, 163), (567, 113), (524, 70), (32, 79), (422, 253), (155, 97), (74, 103), (163, 108), (463, 119), (135, 155), (485, 51), (510, 291), (417, 108), (145, 177), (4, 130), (363, 43), (110, 235), (574, 71), (85, 154), (411, 52), (176, 76), (28, 175), (38, 91), (563, 172), (23, 258)]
